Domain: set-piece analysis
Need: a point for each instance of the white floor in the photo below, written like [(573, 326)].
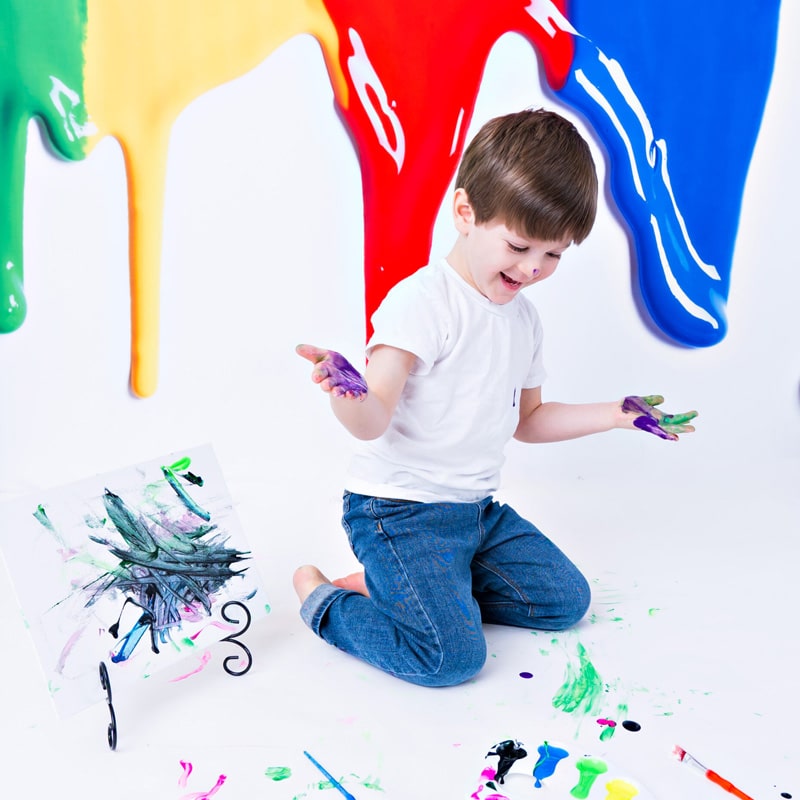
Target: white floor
[(692, 631)]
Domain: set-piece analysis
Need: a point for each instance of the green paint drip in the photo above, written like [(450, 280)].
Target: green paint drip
[(41, 76), (372, 783), (608, 732), (582, 686), (278, 773), (589, 769)]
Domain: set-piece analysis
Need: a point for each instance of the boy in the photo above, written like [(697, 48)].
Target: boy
[(454, 371)]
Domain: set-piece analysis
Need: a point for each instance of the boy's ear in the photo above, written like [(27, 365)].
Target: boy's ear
[(463, 214)]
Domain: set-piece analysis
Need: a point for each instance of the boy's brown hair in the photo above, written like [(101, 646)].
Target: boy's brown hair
[(534, 172)]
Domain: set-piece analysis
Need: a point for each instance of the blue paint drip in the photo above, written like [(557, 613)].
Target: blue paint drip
[(680, 192)]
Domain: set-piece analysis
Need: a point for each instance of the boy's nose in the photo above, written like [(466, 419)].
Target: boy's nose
[(530, 267)]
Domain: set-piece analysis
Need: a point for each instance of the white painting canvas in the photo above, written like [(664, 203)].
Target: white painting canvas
[(133, 568)]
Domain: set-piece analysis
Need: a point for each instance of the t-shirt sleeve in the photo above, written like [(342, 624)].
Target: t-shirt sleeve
[(536, 374), (410, 319)]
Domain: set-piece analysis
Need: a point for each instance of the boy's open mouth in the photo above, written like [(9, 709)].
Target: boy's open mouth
[(510, 281)]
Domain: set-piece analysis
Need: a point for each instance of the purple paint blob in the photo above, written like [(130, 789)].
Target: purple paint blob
[(526, 675)]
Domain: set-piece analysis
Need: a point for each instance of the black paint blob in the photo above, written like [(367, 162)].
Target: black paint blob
[(785, 794), (630, 725)]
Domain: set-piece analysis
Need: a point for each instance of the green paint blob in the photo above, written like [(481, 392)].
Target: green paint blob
[(181, 464), (607, 733), (41, 76), (278, 773), (582, 686), (589, 769)]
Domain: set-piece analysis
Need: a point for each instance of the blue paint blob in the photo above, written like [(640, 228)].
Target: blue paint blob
[(547, 763)]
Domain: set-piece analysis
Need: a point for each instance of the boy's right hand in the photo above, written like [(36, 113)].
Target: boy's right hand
[(334, 373)]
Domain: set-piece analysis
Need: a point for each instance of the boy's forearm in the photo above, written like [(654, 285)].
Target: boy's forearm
[(557, 422), (365, 419)]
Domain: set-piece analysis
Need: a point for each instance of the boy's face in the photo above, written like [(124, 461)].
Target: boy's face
[(499, 262)]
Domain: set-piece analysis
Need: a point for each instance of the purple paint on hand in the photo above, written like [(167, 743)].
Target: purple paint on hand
[(652, 420), (345, 376), (340, 377)]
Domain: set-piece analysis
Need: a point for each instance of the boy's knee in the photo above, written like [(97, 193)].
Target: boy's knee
[(456, 666), (576, 605)]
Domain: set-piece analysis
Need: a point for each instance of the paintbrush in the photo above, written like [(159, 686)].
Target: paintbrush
[(688, 758), (334, 782)]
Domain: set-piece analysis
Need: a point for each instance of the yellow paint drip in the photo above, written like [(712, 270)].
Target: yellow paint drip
[(145, 61)]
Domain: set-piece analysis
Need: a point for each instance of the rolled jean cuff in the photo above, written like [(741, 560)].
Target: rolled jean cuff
[(316, 604)]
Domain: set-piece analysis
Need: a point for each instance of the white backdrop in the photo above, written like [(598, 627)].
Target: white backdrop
[(262, 250)]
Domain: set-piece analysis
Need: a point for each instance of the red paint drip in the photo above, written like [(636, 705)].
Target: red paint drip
[(409, 115)]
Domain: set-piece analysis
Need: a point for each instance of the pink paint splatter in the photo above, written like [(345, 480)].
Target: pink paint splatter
[(71, 642), (205, 795), (221, 625), (488, 774), (187, 771), (204, 659)]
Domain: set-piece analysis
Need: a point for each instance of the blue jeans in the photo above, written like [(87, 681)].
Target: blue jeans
[(435, 572)]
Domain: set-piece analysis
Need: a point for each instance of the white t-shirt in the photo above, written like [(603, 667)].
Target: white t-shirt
[(460, 405)]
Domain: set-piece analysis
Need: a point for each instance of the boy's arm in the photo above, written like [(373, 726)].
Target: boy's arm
[(556, 422), (364, 405)]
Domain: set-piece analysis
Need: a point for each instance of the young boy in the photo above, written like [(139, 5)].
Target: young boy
[(454, 371)]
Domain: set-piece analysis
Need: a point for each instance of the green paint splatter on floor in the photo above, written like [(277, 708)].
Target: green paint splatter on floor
[(582, 687), (278, 773), (607, 733)]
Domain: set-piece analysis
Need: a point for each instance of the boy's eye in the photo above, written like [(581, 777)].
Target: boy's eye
[(516, 249), (554, 255)]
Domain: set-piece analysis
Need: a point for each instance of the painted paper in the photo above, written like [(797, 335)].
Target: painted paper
[(131, 568)]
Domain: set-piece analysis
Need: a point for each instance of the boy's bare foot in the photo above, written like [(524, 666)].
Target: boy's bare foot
[(306, 579), (355, 582)]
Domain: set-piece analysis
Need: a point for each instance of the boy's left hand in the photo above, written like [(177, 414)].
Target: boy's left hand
[(653, 420)]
